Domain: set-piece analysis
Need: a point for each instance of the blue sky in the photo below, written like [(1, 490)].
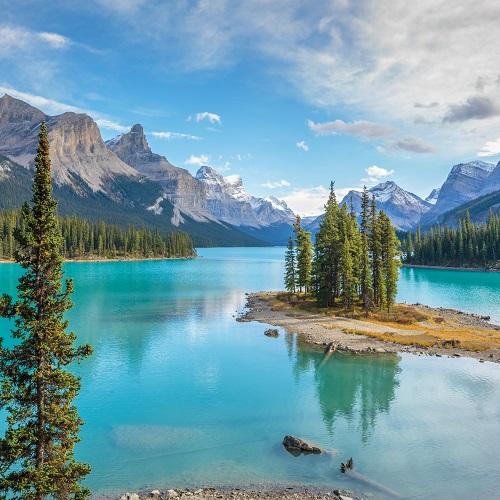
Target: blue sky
[(287, 94)]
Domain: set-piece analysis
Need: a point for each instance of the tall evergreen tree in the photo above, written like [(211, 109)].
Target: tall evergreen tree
[(290, 268), (390, 261), (304, 256), (365, 271), (37, 392)]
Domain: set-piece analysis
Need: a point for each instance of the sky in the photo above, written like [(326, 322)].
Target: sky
[(287, 94)]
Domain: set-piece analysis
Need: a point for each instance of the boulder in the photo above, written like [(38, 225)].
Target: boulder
[(171, 494), (272, 332), (296, 445)]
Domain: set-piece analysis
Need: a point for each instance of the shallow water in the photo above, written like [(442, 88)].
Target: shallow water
[(179, 393)]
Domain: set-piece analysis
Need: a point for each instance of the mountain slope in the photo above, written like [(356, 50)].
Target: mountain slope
[(179, 186), (89, 179), (478, 209), (465, 182)]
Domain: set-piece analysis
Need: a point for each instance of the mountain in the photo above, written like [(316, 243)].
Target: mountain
[(179, 187), (90, 180), (479, 210), (403, 208), (269, 219), (465, 182), (432, 198)]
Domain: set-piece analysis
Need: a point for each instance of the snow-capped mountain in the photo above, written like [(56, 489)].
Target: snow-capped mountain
[(433, 196), (228, 201), (403, 208), (465, 182)]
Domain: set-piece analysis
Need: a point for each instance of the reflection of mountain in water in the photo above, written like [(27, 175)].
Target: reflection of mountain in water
[(350, 385)]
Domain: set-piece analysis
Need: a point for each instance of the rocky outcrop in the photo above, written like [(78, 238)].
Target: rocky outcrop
[(180, 187), (294, 444), (77, 150), (272, 332)]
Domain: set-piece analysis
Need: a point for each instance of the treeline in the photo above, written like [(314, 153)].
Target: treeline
[(349, 264), (87, 240), (467, 245)]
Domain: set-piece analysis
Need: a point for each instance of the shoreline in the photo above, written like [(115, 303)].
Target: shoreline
[(235, 492), (114, 259), (453, 268), (345, 334)]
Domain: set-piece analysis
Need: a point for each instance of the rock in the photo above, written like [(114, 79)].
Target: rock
[(171, 494), (272, 332), (343, 497), (296, 446), (130, 496), (155, 493), (197, 492)]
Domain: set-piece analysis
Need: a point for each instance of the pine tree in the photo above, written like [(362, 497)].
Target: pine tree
[(37, 392), (327, 253), (304, 256), (290, 268), (390, 260), (347, 275), (365, 271)]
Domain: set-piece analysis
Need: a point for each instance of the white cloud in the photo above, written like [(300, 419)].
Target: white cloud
[(412, 144), (16, 38), (490, 148), (376, 174), (311, 201), (111, 125), (55, 40), (174, 135), (359, 128), (276, 184), (302, 145), (213, 118), (197, 161)]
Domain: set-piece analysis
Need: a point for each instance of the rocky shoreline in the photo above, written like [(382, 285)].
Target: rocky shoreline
[(335, 332), (268, 493)]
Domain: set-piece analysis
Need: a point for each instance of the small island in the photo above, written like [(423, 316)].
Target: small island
[(413, 328)]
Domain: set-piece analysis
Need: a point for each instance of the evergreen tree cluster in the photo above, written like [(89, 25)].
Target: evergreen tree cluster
[(351, 263), (467, 245), (84, 239)]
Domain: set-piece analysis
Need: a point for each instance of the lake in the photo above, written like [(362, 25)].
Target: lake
[(179, 393)]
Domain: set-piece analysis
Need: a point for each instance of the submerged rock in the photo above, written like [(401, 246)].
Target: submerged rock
[(297, 446), (272, 332)]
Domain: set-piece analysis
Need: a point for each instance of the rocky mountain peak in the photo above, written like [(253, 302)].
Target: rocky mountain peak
[(433, 196), (131, 143), (14, 110)]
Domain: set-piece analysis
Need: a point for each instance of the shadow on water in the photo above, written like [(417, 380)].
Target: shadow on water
[(353, 387)]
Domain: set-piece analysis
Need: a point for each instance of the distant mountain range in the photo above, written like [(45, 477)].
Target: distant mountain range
[(122, 181)]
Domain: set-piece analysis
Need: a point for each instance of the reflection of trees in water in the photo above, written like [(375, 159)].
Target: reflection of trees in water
[(348, 385)]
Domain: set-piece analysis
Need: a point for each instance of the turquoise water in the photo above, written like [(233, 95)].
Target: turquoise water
[(179, 393)]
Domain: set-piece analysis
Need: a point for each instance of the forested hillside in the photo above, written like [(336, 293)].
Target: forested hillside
[(467, 245), (98, 240)]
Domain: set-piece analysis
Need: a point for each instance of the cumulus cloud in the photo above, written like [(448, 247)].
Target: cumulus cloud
[(174, 135), (309, 201), (276, 184), (474, 108), (490, 148), (197, 161), (359, 128), (412, 144), (376, 174), (213, 118), (302, 145)]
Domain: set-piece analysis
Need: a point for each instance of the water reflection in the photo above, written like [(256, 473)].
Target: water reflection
[(352, 387)]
